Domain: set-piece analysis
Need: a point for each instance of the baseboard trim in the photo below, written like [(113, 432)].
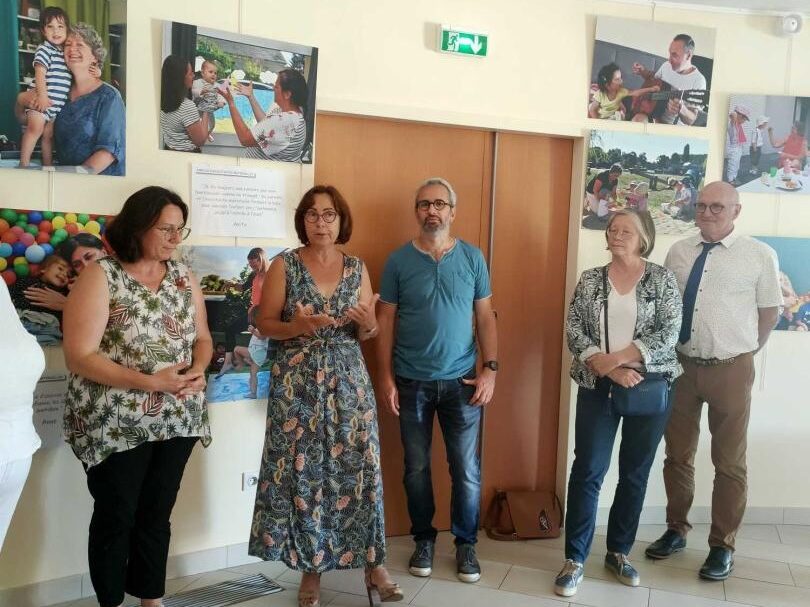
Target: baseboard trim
[(754, 515)]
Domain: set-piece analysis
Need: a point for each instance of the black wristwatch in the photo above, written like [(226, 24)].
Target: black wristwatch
[(491, 364)]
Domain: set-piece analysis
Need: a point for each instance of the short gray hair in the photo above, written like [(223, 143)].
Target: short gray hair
[(92, 39), (437, 181), (644, 224)]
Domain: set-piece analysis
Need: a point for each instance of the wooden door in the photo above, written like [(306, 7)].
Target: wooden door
[(377, 165), (530, 243)]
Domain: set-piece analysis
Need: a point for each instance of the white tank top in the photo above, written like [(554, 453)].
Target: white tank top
[(622, 311)]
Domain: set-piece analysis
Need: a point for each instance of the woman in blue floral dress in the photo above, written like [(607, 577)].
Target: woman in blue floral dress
[(319, 501)]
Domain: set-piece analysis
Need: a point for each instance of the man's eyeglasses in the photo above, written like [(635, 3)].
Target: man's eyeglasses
[(438, 204), (312, 216), (171, 231), (715, 207)]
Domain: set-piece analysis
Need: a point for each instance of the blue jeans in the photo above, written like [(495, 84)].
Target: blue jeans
[(460, 422), (595, 433)]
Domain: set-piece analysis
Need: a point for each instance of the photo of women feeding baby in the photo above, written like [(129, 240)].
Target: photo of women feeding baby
[(236, 95), (62, 106), (651, 72)]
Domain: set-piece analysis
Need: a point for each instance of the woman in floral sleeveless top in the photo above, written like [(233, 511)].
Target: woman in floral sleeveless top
[(136, 343), (319, 501)]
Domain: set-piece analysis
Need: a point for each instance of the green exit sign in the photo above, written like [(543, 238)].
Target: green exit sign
[(463, 42)]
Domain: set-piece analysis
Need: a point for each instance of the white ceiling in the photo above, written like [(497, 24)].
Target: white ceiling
[(797, 6)]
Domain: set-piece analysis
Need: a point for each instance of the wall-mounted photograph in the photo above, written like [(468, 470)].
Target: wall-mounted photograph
[(41, 255), (63, 75), (662, 175), (231, 280), (794, 276), (236, 95), (648, 71), (766, 145)]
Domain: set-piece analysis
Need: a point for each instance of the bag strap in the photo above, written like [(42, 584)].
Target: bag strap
[(605, 296), (493, 516)]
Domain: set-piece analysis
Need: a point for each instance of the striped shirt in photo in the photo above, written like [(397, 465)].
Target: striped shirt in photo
[(57, 76), (173, 127)]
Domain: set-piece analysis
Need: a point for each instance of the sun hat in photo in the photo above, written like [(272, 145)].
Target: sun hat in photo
[(763, 120), (743, 110)]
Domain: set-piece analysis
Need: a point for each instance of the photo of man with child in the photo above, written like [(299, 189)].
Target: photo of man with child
[(651, 72), (236, 95), (62, 103)]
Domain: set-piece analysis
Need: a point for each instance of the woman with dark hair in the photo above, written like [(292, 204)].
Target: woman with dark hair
[(90, 130), (136, 344), (259, 264), (606, 101), (182, 127), (279, 133), (79, 251), (319, 501)]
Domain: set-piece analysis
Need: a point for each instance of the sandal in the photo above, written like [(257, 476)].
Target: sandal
[(389, 592)]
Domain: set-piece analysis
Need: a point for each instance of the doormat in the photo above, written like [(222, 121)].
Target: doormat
[(227, 593)]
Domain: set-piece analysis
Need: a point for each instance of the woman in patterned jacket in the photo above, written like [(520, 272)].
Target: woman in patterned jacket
[(136, 344), (644, 317)]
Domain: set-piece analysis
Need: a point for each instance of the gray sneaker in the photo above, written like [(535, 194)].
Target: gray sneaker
[(620, 565), (467, 567), (421, 563), (568, 580)]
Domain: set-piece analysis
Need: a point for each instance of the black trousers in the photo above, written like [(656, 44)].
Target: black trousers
[(134, 492)]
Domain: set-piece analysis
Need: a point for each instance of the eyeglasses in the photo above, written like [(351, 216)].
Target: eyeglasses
[(438, 204), (714, 207), (312, 216), (170, 232)]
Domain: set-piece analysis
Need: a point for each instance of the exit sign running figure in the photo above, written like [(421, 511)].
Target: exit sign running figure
[(463, 42)]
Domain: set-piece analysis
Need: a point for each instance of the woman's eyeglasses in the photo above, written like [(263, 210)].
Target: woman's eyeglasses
[(438, 204), (312, 216), (170, 232)]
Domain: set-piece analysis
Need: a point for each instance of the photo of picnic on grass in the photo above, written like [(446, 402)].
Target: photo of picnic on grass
[(662, 175)]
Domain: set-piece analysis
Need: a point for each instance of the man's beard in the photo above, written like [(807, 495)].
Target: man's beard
[(432, 227)]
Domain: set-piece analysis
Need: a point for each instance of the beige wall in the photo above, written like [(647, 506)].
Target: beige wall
[(376, 58)]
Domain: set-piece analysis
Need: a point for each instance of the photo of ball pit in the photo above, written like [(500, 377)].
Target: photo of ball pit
[(27, 238)]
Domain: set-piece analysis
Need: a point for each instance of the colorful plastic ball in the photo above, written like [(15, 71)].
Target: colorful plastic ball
[(35, 254), (20, 261), (9, 236), (3, 264), (18, 249), (22, 270), (5, 249), (3, 225), (72, 229), (56, 241), (45, 226), (9, 215), (70, 217), (101, 220), (43, 237), (34, 216), (18, 228), (27, 239), (34, 269), (60, 233), (83, 217), (58, 222), (48, 248), (32, 229), (93, 227), (47, 215), (22, 217), (9, 277)]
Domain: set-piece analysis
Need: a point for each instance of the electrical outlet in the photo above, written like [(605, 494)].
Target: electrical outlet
[(250, 480)]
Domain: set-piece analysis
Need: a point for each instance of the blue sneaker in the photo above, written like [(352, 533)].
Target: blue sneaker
[(568, 580), (620, 565)]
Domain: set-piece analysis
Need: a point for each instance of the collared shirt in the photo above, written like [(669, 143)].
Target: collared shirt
[(435, 304), (741, 275)]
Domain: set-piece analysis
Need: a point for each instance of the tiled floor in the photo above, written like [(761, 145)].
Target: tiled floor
[(772, 570)]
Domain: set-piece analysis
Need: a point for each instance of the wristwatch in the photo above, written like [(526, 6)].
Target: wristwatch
[(491, 364)]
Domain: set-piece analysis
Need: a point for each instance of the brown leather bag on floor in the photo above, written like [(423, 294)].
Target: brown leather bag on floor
[(523, 515)]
